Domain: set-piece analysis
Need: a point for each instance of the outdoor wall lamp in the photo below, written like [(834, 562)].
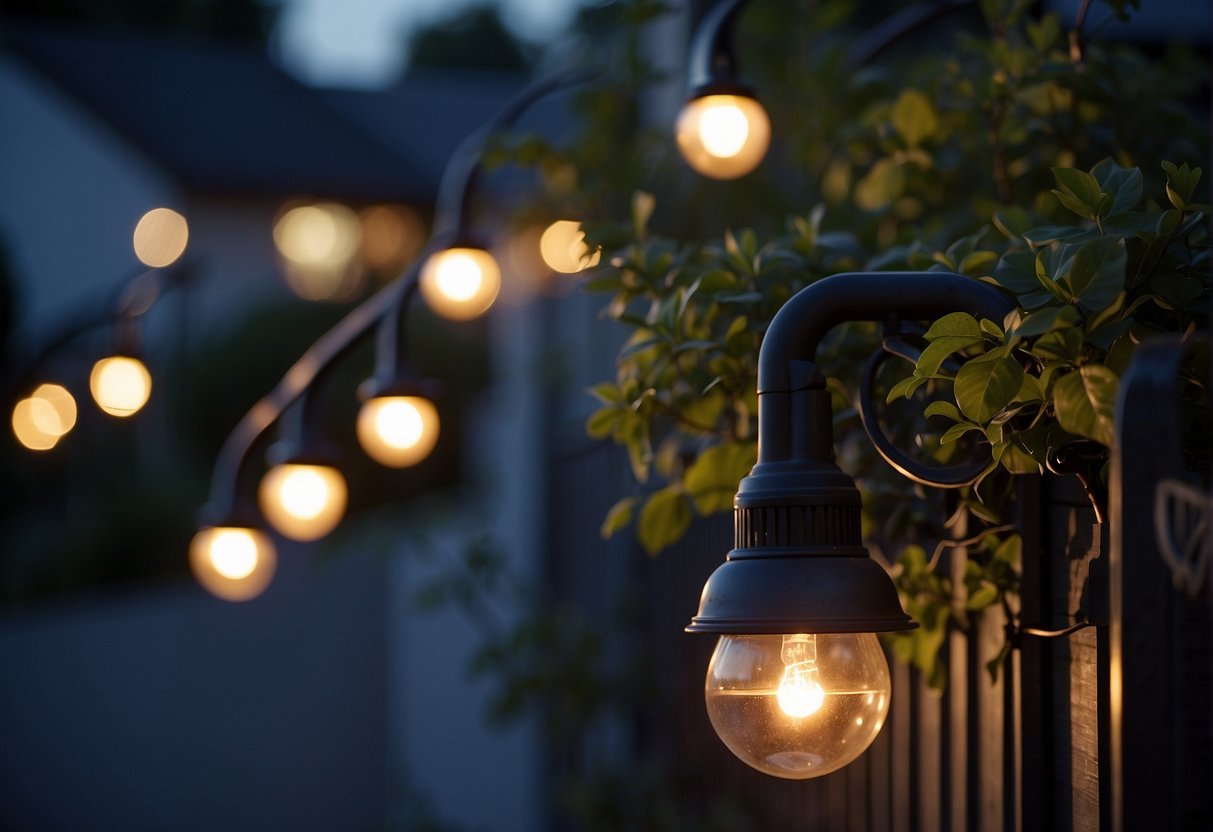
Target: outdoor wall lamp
[(303, 495), (798, 685), (722, 130)]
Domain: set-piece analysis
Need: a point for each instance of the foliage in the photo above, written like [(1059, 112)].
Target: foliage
[(1023, 157)]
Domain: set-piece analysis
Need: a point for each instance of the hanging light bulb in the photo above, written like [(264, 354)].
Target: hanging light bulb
[(234, 562), (798, 705), (120, 384), (723, 136), (398, 431), (303, 500), (460, 283)]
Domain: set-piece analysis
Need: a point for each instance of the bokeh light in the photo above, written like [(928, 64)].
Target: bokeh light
[(235, 563), (320, 246), (392, 235), (723, 136), (160, 237), (398, 431), (120, 385), (460, 283), (564, 249), (303, 502)]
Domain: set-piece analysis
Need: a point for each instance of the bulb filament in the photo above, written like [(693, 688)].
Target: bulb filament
[(800, 693)]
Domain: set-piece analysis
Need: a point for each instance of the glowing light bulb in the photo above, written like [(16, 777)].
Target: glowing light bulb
[(398, 431), (160, 237), (564, 249), (120, 385), (800, 705), (800, 693), (235, 563), (723, 136), (303, 502), (460, 283)]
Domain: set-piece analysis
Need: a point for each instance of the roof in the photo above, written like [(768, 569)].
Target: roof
[(223, 118)]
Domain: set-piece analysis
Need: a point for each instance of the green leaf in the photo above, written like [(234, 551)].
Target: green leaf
[(937, 352), (905, 388), (956, 431), (1059, 345), (664, 519), (985, 596), (913, 116), (883, 185), (1079, 191), (987, 384), (619, 517), (957, 324), (1085, 402), (712, 478), (1017, 272), (602, 422), (942, 408), (642, 209), (1124, 184), (1047, 320), (1097, 273), (978, 264), (607, 393)]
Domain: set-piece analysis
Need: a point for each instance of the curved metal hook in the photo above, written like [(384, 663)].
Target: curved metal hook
[(949, 476)]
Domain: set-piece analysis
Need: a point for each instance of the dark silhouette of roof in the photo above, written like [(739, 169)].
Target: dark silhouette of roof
[(222, 118)]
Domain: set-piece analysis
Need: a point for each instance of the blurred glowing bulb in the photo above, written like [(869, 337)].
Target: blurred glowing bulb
[(160, 237), (723, 136), (398, 431), (319, 245), (303, 502), (798, 705), (564, 249), (62, 402), (120, 385), (460, 283), (235, 563), (28, 418)]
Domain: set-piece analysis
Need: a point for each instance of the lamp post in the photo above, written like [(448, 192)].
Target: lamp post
[(798, 685)]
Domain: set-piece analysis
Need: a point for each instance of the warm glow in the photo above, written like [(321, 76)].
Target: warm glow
[(319, 245), (723, 136), (460, 283), (564, 248), (800, 695), (398, 431), (798, 706), (235, 563), (120, 385), (28, 421), (392, 235), (303, 502), (160, 237)]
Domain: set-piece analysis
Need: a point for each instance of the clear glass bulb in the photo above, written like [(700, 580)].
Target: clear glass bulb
[(460, 283), (303, 502), (723, 136), (234, 563), (799, 705), (120, 384), (398, 431)]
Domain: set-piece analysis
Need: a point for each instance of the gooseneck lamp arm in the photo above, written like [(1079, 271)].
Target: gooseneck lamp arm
[(796, 331), (713, 61)]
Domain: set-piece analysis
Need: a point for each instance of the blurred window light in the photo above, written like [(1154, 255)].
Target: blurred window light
[(160, 237), (392, 235), (320, 246)]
